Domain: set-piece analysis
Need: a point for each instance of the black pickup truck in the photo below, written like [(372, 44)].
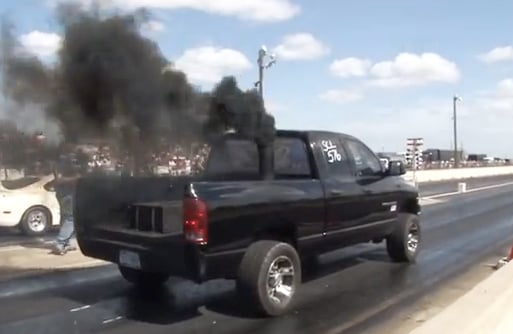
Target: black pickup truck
[(248, 219)]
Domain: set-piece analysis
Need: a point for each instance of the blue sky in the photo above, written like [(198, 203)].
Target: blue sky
[(380, 70)]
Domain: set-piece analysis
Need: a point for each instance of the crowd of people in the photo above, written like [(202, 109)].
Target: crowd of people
[(174, 160)]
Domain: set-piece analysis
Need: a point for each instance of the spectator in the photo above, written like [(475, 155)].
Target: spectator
[(66, 174)]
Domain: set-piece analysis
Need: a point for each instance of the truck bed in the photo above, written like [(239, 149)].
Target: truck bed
[(150, 205)]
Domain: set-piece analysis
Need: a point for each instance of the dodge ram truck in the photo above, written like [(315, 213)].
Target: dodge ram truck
[(254, 214)]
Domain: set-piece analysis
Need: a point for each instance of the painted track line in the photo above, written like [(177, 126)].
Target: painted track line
[(493, 186)]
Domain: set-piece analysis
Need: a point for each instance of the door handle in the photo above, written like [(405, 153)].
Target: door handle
[(368, 192), (336, 192)]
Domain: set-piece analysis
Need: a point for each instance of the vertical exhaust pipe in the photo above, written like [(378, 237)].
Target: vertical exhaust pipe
[(264, 135), (266, 160)]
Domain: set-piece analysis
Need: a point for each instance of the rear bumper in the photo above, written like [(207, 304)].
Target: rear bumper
[(171, 255)]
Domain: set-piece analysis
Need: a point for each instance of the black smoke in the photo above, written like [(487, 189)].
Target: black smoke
[(110, 81), (243, 111)]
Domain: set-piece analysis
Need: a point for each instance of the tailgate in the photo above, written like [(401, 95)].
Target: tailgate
[(150, 206)]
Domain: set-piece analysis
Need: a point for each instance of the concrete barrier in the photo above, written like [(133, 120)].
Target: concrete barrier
[(434, 175), (485, 309)]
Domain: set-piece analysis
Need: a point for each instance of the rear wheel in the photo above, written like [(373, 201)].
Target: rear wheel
[(403, 244), (143, 279), (35, 221), (269, 275)]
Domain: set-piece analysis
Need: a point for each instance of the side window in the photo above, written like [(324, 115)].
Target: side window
[(236, 156), (291, 158), (335, 156), (366, 162)]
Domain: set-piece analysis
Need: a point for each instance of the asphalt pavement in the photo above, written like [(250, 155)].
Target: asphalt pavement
[(349, 292)]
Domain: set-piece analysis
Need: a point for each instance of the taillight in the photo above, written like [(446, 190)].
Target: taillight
[(195, 221)]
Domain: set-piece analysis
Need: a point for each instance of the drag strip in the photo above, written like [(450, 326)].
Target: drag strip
[(350, 288)]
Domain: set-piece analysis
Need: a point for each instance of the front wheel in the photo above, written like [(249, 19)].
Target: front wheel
[(404, 243), (269, 275), (143, 279)]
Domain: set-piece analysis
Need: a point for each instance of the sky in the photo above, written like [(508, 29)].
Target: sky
[(382, 71)]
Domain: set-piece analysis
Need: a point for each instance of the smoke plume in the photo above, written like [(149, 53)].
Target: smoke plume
[(109, 81)]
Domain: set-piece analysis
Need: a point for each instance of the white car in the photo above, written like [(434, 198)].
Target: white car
[(29, 203)]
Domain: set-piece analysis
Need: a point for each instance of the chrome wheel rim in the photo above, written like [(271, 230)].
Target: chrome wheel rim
[(280, 280), (37, 220), (413, 238)]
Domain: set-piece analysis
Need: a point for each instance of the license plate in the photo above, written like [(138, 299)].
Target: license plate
[(129, 259)]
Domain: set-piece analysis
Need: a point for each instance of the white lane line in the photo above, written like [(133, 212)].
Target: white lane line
[(108, 321), (429, 201), (80, 308), (493, 186)]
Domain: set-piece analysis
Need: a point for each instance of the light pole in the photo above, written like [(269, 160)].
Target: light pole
[(455, 99), (263, 65)]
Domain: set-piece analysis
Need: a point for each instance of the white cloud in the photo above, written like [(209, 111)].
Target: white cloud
[(40, 43), (505, 88), (254, 10), (500, 100), (406, 69), (350, 67), (153, 26), (409, 69), (504, 53), (300, 46), (275, 108), (341, 96), (209, 64)]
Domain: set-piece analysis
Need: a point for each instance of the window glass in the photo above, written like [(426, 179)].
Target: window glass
[(335, 156), (291, 157), (366, 162), (235, 156), (19, 183)]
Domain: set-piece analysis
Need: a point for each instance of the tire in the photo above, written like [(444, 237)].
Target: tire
[(35, 221), (254, 283), (143, 279), (401, 244)]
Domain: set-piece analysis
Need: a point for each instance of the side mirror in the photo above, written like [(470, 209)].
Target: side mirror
[(396, 168)]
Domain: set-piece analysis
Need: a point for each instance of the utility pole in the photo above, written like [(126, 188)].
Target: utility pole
[(262, 66), (455, 99)]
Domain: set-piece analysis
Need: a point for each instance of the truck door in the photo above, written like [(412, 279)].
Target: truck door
[(380, 191), (345, 205)]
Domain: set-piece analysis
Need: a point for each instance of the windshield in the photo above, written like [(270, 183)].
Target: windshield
[(20, 183)]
